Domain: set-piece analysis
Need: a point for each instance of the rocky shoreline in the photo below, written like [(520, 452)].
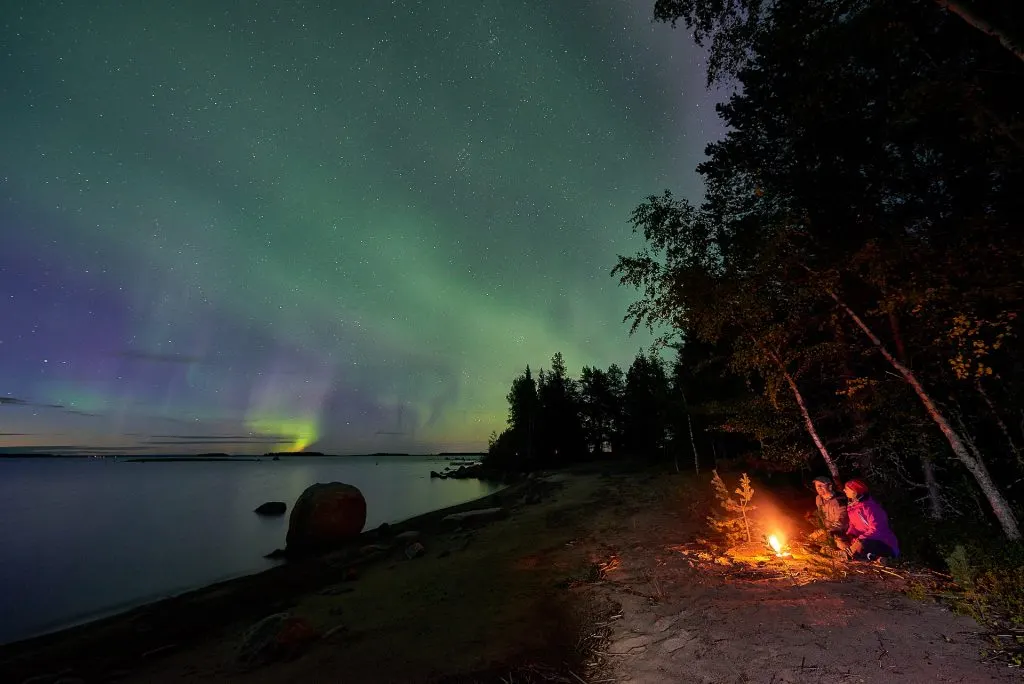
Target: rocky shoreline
[(471, 471), (109, 649)]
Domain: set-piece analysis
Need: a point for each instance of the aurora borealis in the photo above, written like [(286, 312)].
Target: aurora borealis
[(345, 226)]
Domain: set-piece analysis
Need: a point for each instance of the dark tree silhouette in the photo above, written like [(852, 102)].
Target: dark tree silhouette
[(860, 237), (561, 431)]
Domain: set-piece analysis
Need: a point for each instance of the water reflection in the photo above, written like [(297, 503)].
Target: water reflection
[(87, 537)]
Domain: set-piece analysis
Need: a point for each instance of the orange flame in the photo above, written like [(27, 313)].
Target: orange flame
[(774, 542)]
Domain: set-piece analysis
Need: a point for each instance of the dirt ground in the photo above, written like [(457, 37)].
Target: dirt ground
[(587, 585), (496, 601), (478, 604), (678, 623)]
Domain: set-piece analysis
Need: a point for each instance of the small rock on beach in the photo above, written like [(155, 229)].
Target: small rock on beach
[(275, 637)]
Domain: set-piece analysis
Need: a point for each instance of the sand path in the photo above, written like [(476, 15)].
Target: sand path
[(677, 623)]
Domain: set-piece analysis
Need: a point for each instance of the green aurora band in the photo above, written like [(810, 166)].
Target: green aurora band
[(345, 228)]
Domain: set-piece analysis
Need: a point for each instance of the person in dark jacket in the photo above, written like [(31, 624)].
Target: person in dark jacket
[(831, 507), (868, 536)]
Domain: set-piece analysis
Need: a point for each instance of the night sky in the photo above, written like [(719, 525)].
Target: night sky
[(248, 226)]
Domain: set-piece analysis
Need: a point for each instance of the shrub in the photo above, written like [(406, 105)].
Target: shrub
[(992, 580), (734, 523)]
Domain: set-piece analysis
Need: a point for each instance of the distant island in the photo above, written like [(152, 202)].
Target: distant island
[(198, 457), (31, 454), (277, 454), (223, 456), (318, 453)]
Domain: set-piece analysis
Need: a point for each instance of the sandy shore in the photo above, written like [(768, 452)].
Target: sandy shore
[(585, 583), (477, 600), (682, 621)]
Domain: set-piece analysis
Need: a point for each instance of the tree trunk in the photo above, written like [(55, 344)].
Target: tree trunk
[(808, 423), (894, 325), (976, 466), (693, 442), (856, 413), (927, 467), (932, 485), (983, 24), (999, 420), (996, 500)]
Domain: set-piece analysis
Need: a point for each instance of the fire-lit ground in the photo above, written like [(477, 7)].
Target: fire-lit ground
[(690, 612)]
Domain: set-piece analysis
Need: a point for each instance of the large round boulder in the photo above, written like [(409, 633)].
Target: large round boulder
[(326, 514)]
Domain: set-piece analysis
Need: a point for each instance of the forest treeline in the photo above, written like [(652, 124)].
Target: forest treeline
[(846, 296), (556, 420)]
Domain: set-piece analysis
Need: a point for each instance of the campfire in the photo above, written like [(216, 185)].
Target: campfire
[(757, 543), (777, 545)]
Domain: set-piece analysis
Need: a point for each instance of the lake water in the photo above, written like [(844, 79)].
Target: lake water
[(84, 538)]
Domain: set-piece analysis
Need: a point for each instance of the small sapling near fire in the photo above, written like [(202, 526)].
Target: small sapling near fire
[(735, 522)]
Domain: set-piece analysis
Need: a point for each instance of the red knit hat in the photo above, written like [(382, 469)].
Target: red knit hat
[(857, 487)]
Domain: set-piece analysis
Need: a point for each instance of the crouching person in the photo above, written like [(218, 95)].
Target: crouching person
[(868, 536), (831, 508)]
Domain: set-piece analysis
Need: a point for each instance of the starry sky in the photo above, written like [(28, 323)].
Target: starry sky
[(251, 226)]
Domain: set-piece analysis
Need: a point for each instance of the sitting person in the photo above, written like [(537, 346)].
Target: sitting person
[(831, 507), (868, 536)]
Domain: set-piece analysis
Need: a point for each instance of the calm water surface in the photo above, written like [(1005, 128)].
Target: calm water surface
[(82, 538)]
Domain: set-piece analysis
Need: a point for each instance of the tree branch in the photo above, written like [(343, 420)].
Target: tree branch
[(983, 24)]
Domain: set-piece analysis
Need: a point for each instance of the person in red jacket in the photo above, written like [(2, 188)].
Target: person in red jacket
[(868, 536)]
